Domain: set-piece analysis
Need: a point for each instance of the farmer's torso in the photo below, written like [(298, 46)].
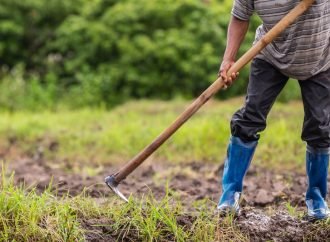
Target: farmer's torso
[(303, 50)]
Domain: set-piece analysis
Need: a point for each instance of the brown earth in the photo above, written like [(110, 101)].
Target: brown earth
[(264, 216)]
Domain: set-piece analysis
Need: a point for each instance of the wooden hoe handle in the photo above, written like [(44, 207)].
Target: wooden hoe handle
[(211, 90)]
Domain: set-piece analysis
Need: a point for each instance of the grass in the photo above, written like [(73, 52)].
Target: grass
[(28, 216), (293, 210), (103, 137), (98, 137)]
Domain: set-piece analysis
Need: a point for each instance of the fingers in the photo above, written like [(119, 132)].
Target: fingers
[(228, 80), (223, 75), (234, 75)]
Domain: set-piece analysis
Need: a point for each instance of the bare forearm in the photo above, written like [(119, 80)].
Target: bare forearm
[(236, 32)]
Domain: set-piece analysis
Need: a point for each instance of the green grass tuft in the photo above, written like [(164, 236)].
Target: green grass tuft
[(27, 216)]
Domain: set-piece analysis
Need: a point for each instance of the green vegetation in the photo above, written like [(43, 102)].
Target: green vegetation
[(292, 210), (27, 216), (101, 53), (96, 136)]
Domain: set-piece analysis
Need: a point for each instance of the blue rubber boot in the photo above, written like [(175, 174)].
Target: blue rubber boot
[(239, 156), (317, 163)]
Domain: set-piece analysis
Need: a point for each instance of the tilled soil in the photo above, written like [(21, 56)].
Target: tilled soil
[(264, 215)]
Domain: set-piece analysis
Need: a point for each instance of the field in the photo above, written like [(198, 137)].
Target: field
[(54, 164)]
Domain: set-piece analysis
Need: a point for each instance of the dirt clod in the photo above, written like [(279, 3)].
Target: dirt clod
[(264, 197)]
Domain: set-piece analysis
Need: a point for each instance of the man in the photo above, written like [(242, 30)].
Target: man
[(302, 52)]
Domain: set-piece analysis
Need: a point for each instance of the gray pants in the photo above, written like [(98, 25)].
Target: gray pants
[(265, 83)]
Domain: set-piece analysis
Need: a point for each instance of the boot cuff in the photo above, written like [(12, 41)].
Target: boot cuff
[(324, 151), (238, 141)]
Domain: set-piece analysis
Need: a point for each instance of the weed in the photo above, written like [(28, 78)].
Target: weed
[(292, 210)]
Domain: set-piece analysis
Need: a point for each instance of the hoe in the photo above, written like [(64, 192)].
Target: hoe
[(114, 180)]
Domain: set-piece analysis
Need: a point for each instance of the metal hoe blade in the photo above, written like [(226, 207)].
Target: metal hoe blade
[(113, 185)]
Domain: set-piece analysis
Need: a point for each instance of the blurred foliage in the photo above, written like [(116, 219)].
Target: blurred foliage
[(26, 28), (103, 52)]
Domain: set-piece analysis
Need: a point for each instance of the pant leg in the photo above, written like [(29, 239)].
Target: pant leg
[(265, 83), (316, 98)]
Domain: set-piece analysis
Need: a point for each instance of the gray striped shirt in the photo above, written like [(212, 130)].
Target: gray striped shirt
[(303, 50)]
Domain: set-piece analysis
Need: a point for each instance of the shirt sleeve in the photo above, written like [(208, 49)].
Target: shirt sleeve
[(243, 9)]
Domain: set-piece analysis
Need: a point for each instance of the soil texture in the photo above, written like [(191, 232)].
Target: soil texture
[(266, 194)]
